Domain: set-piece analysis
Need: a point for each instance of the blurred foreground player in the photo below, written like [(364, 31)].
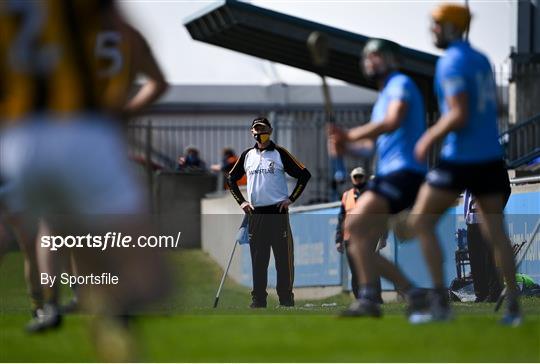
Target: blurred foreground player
[(63, 151), (397, 121), (265, 165), (23, 232), (121, 53), (31, 58), (470, 156)]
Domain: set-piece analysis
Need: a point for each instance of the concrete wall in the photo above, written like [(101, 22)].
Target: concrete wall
[(177, 199), (221, 218), (524, 92)]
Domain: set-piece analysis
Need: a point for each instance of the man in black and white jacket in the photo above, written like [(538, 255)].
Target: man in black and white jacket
[(268, 200)]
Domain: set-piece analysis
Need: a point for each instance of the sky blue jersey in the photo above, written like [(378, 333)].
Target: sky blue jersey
[(464, 69), (395, 149)]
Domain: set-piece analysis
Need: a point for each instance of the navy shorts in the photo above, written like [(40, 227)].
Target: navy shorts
[(398, 188), (479, 178)]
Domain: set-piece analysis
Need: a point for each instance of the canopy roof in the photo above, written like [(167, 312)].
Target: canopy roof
[(283, 38)]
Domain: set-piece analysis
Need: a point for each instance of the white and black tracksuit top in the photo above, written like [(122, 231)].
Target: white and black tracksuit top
[(265, 170)]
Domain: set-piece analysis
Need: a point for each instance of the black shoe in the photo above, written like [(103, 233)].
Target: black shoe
[(362, 308), (417, 300), (441, 311), (287, 303), (438, 310), (257, 304), (46, 318), (417, 306), (440, 305)]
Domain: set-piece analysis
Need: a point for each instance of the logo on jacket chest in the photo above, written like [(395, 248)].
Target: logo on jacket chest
[(264, 167)]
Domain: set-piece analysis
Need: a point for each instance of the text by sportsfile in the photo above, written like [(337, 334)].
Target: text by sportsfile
[(109, 240)]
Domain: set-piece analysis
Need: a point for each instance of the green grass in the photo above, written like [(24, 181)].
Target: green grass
[(186, 328)]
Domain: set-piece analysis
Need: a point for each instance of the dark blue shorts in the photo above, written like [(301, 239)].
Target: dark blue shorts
[(479, 178), (398, 188)]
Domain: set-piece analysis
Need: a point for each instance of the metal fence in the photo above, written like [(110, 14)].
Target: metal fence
[(301, 131)]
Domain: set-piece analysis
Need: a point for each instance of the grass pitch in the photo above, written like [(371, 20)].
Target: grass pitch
[(186, 328)]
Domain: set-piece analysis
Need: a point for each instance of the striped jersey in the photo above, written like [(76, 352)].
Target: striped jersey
[(265, 170), (46, 51), (64, 57)]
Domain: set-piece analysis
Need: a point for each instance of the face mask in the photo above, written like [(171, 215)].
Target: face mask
[(262, 137)]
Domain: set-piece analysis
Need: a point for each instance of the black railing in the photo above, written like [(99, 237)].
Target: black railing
[(301, 131), (522, 142)]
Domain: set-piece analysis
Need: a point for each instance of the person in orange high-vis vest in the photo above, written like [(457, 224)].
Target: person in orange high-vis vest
[(348, 201), (227, 163)]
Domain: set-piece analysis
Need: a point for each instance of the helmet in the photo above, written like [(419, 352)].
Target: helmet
[(388, 51), (457, 15), (383, 46)]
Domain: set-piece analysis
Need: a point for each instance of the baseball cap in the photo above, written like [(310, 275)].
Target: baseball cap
[(358, 171), (260, 121)]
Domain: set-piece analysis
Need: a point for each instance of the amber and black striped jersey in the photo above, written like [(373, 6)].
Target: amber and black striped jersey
[(47, 56), (119, 52), (265, 170)]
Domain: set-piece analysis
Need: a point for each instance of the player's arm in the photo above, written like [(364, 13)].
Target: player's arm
[(397, 110), (364, 148), (294, 169), (368, 133), (454, 88), (154, 85), (234, 175), (454, 119)]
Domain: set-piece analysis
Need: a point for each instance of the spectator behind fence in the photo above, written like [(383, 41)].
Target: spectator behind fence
[(191, 161), (228, 161)]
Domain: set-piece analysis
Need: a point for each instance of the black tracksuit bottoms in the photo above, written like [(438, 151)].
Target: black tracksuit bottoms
[(270, 229), (486, 278)]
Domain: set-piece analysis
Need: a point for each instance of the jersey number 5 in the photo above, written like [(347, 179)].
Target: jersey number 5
[(107, 48)]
